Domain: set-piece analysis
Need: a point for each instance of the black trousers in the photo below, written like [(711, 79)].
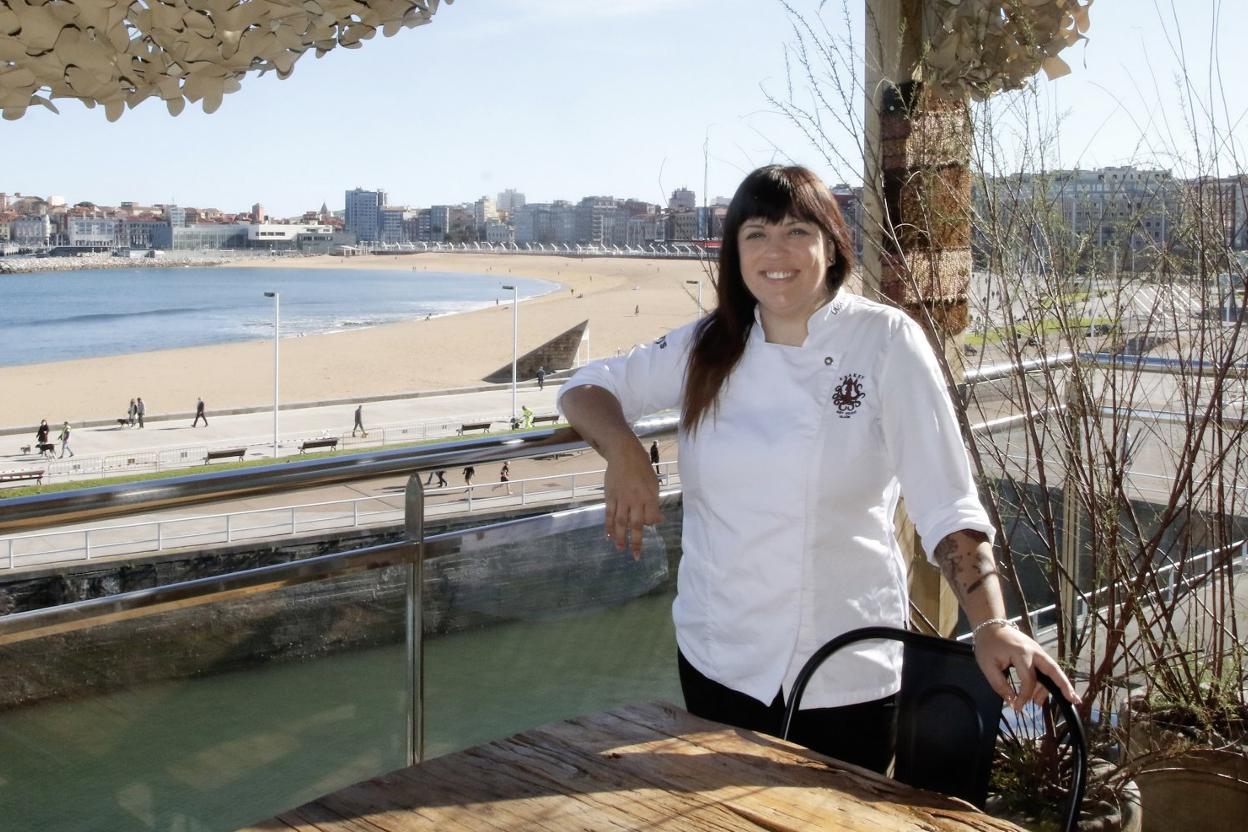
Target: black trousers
[(864, 734)]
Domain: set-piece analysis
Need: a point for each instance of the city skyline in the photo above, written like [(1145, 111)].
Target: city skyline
[(559, 100)]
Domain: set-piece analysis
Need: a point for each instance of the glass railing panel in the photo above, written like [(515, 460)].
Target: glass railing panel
[(209, 715), (539, 620)]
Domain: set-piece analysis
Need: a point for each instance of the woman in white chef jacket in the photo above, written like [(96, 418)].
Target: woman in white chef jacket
[(806, 412)]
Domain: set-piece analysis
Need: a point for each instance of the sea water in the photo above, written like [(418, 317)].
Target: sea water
[(56, 316)]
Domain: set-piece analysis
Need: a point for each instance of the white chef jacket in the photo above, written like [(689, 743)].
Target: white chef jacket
[(790, 487)]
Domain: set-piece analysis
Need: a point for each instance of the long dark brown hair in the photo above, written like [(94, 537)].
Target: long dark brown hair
[(770, 193)]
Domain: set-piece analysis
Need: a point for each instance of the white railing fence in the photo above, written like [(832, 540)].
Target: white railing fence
[(51, 548)]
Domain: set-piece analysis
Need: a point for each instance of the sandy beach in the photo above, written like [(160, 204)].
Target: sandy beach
[(440, 353)]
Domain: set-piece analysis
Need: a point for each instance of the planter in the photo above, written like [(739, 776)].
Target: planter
[(1182, 787), (1119, 813), (1199, 790)]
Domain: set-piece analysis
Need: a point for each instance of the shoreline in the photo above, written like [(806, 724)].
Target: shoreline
[(443, 352), (335, 323)]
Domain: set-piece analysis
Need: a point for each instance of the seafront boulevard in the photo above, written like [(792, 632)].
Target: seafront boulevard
[(360, 505), (253, 429), (625, 300)]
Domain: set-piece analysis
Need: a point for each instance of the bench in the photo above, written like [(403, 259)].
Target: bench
[(18, 476), (225, 453), (484, 427), (552, 419), (309, 444)]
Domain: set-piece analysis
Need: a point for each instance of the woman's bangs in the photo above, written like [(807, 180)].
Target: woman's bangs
[(773, 196)]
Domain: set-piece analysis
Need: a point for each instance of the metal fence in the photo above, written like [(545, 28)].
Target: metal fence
[(57, 547)]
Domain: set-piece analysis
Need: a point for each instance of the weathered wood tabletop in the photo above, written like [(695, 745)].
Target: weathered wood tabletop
[(648, 766)]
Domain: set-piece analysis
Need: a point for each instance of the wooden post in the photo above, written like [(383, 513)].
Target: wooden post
[(916, 200)]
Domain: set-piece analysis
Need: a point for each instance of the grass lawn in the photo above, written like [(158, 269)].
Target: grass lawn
[(1050, 325)]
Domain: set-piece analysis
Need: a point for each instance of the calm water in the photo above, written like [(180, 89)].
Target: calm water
[(76, 314)]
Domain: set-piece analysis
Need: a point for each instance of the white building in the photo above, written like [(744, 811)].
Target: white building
[(91, 232), (287, 235), (31, 231), (483, 210), (497, 231), (510, 200)]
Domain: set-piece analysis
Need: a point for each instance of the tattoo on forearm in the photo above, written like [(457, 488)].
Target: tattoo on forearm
[(965, 563)]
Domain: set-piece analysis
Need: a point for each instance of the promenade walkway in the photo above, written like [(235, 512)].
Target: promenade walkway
[(113, 445), (357, 504)]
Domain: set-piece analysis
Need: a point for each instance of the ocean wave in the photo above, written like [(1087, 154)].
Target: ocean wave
[(97, 317)]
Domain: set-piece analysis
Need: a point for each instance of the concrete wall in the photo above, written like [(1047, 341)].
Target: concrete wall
[(559, 353)]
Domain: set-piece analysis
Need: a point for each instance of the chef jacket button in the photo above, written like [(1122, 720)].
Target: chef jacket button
[(827, 359)]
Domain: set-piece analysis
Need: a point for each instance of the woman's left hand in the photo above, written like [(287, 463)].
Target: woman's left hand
[(999, 648)]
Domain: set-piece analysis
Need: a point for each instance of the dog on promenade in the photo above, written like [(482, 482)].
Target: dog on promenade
[(25, 449)]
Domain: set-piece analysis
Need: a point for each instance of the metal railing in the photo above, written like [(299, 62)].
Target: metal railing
[(1173, 574), (285, 521), (41, 510)]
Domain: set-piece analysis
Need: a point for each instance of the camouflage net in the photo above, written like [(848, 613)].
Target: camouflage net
[(119, 52), (980, 47)]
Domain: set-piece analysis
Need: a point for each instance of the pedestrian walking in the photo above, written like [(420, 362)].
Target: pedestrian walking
[(441, 475), (469, 473), (541, 378), (504, 475), (528, 417), (199, 413), (359, 421), (41, 439), (132, 414), (139, 410), (64, 437), (654, 457)]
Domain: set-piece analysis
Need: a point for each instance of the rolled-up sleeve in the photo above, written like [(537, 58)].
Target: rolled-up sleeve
[(925, 443), (646, 380)]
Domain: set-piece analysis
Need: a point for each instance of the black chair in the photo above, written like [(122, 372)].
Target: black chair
[(948, 717)]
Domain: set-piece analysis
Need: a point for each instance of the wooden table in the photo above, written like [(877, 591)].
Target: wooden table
[(640, 767)]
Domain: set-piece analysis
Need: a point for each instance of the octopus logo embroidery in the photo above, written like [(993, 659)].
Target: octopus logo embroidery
[(848, 395), (662, 342)]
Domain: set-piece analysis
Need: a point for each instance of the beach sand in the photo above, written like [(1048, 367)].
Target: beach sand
[(440, 353)]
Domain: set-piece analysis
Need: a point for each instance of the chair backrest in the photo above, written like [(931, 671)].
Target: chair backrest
[(947, 720), (948, 716)]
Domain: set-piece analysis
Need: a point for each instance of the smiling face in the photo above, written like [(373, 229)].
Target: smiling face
[(784, 266)]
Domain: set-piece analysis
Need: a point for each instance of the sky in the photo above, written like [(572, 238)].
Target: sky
[(566, 98)]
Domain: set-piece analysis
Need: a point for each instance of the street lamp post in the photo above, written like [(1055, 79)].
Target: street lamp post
[(515, 328), (699, 285), (277, 329)]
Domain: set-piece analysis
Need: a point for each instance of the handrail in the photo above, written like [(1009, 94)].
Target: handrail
[(229, 531), (117, 500), (1003, 369), (1156, 364), (78, 615)]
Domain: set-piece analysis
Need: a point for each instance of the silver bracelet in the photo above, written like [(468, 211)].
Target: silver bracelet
[(1004, 622)]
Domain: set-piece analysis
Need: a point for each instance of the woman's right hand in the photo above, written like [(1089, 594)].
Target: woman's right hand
[(632, 491), (632, 488)]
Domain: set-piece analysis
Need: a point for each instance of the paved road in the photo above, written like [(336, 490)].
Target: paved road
[(112, 446)]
